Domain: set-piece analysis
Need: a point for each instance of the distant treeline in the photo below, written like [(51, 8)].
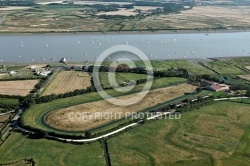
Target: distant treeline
[(17, 3), (164, 7)]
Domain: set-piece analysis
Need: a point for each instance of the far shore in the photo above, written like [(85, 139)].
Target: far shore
[(129, 32), (195, 60)]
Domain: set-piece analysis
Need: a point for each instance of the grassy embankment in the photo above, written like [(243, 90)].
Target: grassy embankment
[(224, 67)]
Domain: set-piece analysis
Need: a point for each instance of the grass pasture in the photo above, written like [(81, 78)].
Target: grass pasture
[(22, 71), (224, 67), (66, 81), (47, 152), (19, 88), (119, 77), (190, 66), (8, 101), (242, 61), (217, 134)]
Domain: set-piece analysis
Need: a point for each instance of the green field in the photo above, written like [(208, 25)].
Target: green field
[(224, 67), (8, 101), (120, 78), (32, 116), (22, 71), (243, 61), (47, 152), (223, 140), (217, 134), (192, 68)]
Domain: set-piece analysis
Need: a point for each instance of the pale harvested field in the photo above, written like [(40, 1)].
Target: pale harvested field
[(63, 118), (66, 81), (129, 12), (14, 8), (234, 16), (201, 17), (146, 8), (246, 77), (37, 66), (197, 18), (47, 3), (121, 11), (22, 87), (100, 2)]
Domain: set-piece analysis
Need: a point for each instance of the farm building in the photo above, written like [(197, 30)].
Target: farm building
[(45, 73), (12, 72), (218, 87), (33, 67)]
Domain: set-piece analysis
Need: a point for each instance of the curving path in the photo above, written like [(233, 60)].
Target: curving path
[(15, 125)]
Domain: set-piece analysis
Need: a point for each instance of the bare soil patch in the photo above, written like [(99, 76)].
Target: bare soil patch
[(80, 117)]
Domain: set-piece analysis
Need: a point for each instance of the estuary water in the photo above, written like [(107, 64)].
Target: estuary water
[(25, 48)]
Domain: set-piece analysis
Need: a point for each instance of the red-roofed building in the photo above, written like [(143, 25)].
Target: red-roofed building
[(218, 87)]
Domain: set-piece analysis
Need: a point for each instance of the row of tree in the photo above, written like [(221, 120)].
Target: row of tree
[(173, 72), (48, 98), (17, 3), (76, 92), (186, 104), (41, 83)]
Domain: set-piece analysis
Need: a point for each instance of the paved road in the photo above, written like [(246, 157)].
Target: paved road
[(7, 113), (231, 98)]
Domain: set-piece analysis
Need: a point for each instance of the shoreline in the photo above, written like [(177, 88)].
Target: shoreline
[(176, 59), (208, 31)]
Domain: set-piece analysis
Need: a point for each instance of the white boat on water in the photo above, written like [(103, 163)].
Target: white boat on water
[(63, 60)]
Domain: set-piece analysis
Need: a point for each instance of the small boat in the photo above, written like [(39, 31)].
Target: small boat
[(63, 59)]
